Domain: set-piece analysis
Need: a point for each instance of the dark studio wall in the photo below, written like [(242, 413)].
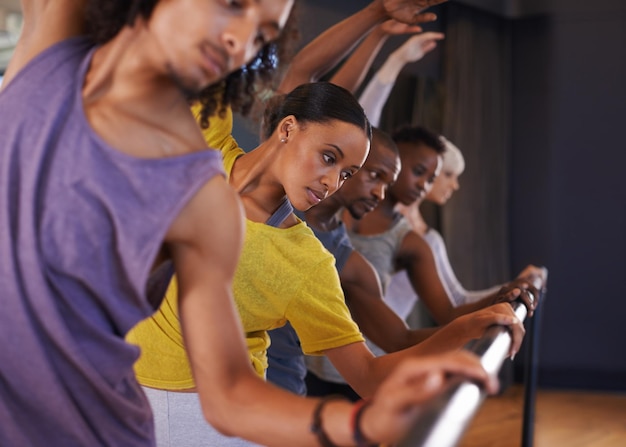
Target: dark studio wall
[(569, 103)]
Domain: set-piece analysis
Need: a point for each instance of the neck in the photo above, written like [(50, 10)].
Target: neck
[(377, 221), (325, 216), (387, 207), (253, 178), (122, 71), (414, 216)]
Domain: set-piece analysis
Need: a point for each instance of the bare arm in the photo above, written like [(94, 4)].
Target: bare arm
[(366, 373), (357, 364), (473, 325), (381, 325), (376, 320), (353, 71), (45, 22), (330, 47), (377, 91), (334, 44), (416, 257), (234, 399)]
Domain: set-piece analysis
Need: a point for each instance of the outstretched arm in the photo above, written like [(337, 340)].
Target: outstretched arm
[(416, 257), (376, 320), (353, 71), (333, 45), (45, 22), (366, 374), (377, 91), (234, 399), (425, 377), (388, 331)]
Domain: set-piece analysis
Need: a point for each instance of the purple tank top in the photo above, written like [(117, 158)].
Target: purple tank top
[(80, 224)]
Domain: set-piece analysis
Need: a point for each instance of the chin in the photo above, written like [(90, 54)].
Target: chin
[(355, 214)]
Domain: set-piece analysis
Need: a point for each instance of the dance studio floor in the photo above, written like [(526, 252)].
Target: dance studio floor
[(563, 418)]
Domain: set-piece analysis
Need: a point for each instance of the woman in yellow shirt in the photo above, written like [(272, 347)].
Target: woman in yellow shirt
[(319, 138)]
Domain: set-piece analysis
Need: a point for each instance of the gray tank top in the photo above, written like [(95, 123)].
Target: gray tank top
[(381, 249), (80, 224)]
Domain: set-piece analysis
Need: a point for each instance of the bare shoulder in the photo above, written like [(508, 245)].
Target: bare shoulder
[(45, 22), (357, 271), (414, 247)]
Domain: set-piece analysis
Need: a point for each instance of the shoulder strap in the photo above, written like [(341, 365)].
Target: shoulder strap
[(281, 213)]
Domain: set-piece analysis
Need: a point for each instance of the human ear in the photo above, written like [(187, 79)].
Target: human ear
[(286, 127)]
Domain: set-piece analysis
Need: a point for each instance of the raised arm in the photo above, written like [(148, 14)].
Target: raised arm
[(353, 71), (377, 91), (333, 45), (45, 22)]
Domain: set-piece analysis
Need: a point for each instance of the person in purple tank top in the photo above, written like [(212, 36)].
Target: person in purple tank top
[(103, 174)]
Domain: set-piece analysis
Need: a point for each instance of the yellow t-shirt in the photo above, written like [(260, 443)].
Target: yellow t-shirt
[(219, 133), (283, 275)]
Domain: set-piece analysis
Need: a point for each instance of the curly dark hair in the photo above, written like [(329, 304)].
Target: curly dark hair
[(419, 135), (240, 90)]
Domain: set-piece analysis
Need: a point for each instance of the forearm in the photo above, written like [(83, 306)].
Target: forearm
[(264, 414), (377, 92), (332, 46), (234, 399), (388, 331), (353, 71), (465, 309)]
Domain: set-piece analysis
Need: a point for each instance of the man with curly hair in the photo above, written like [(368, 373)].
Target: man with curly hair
[(103, 174)]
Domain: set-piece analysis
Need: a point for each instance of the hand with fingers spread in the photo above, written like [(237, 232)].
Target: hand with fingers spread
[(411, 11), (397, 402)]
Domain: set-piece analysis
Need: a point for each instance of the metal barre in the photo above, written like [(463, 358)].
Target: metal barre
[(446, 417)]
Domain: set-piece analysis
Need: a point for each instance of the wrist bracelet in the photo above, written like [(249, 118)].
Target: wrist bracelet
[(316, 425), (357, 433)]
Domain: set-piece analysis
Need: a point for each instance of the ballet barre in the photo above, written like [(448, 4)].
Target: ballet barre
[(444, 419)]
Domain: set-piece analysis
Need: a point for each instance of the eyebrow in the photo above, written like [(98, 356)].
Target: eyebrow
[(273, 24), (342, 154)]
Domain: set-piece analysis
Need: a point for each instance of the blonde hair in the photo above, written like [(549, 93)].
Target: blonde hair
[(452, 157)]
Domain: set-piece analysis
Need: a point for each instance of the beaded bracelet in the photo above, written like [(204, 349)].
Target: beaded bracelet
[(357, 433), (316, 425)]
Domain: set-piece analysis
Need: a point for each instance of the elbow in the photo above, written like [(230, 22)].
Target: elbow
[(222, 407)]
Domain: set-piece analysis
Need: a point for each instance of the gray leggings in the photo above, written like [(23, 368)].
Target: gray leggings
[(179, 422)]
